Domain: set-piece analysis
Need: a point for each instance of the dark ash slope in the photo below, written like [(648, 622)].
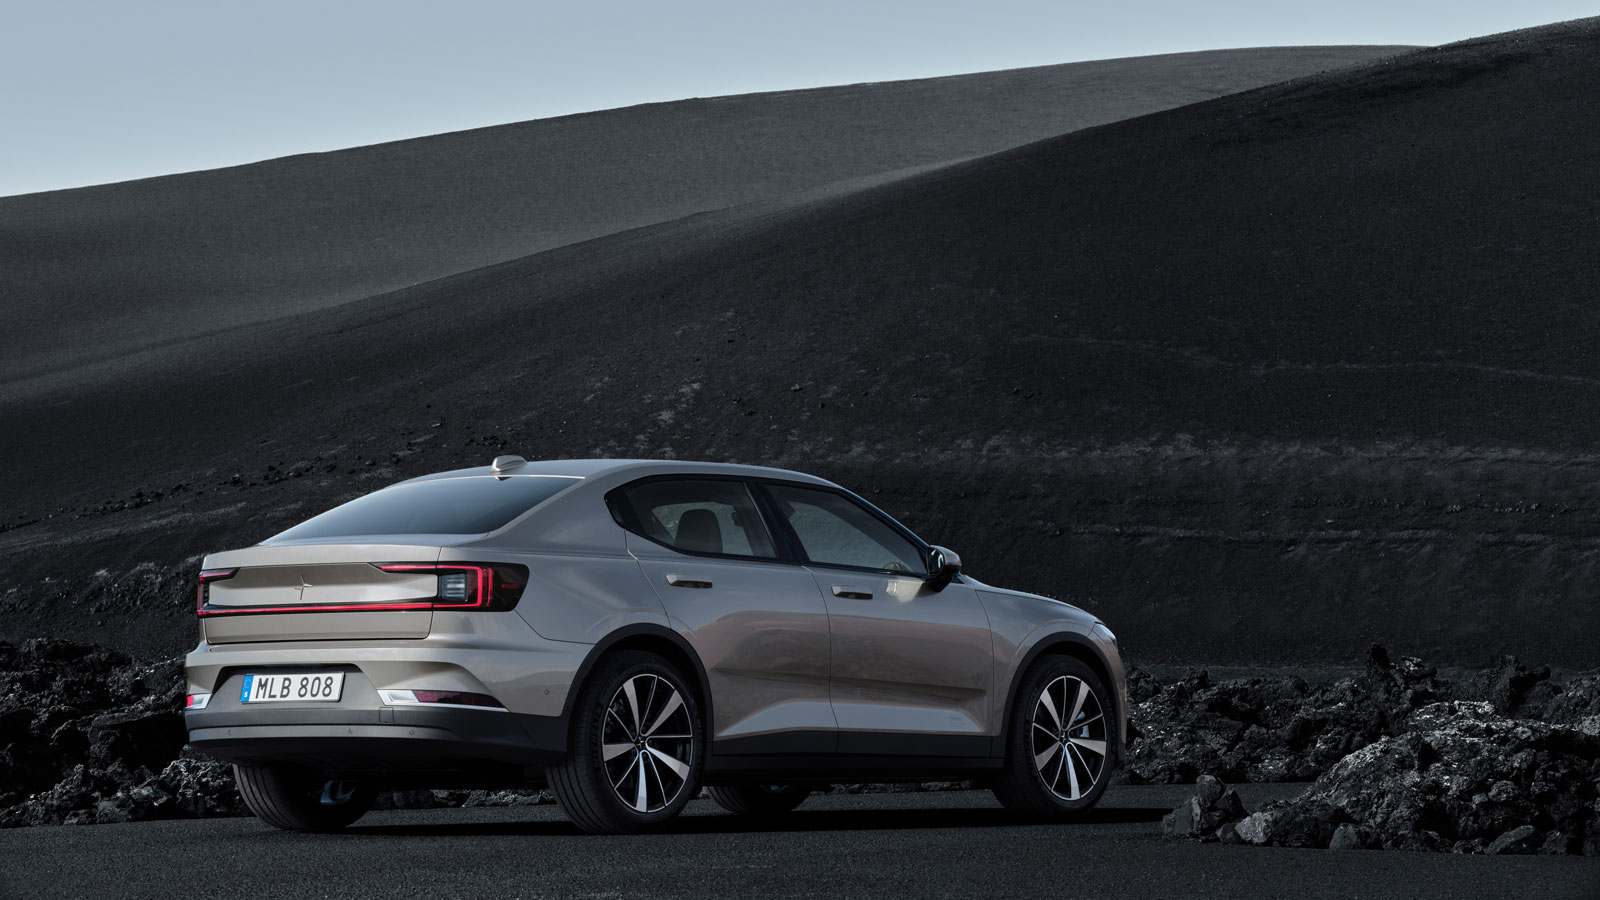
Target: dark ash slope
[(1263, 379), (101, 272)]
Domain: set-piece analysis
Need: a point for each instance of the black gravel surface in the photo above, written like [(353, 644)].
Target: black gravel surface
[(868, 846)]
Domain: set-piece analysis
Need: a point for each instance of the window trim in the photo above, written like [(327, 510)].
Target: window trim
[(623, 513), (798, 548)]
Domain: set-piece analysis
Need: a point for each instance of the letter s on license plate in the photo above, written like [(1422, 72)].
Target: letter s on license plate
[(299, 687)]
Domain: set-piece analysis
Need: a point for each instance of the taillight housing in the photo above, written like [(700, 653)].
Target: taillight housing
[(206, 577), (488, 587)]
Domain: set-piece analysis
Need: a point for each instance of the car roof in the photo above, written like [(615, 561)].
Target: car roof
[(586, 468)]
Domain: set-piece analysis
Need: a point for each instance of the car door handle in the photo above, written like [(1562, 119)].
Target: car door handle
[(840, 590), (680, 581)]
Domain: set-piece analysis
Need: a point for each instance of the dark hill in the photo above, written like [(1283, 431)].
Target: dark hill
[(1261, 379), (100, 272)]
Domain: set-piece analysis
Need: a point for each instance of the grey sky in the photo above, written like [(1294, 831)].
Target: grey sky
[(106, 91)]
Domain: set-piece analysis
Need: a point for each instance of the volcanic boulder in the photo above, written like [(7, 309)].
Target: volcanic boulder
[(1201, 815), (1463, 779), (1271, 730)]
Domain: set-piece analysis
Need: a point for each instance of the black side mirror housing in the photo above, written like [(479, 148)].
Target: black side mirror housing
[(943, 566)]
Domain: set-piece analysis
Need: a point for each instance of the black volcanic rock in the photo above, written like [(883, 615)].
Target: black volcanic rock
[(1577, 705), (84, 724), (1463, 779), (1201, 815), (1515, 690), (1266, 730)]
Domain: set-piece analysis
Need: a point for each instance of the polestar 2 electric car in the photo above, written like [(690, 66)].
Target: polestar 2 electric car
[(626, 632)]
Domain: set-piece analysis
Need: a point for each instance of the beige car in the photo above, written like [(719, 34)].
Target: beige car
[(626, 632)]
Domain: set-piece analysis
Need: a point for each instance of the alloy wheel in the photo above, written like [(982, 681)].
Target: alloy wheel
[(647, 743), (1069, 737)]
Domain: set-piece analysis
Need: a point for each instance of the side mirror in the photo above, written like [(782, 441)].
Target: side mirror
[(943, 565)]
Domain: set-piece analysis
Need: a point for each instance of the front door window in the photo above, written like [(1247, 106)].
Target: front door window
[(836, 531)]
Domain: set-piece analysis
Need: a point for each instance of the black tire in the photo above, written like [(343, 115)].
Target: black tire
[(660, 771), (1057, 790), (760, 800), (297, 799)]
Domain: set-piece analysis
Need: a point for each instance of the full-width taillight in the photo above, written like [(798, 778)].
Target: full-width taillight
[(206, 577), (495, 587)]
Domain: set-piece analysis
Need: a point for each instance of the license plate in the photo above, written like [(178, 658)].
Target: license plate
[(301, 688)]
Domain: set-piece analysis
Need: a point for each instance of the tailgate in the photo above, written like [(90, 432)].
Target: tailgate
[(328, 593)]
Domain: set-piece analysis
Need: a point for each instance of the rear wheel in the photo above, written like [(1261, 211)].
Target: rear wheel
[(297, 799), (1058, 743), (760, 800), (634, 756)]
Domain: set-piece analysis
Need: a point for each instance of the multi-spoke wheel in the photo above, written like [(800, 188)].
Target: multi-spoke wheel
[(647, 742), (297, 799), (1059, 740), (635, 752)]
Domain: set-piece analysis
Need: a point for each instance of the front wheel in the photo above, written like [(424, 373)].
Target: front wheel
[(296, 799), (760, 800), (1058, 743), (633, 761)]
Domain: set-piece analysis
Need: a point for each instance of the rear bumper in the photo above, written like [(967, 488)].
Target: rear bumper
[(384, 740), (361, 735)]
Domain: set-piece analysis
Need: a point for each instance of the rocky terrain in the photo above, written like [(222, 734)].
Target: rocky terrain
[(1284, 729), (92, 736), (1504, 760), (1462, 778)]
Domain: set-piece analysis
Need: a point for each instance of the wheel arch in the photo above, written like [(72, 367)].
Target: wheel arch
[(656, 639), (1079, 647)]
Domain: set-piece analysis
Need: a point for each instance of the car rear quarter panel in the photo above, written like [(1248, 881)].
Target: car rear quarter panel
[(582, 583), (585, 598)]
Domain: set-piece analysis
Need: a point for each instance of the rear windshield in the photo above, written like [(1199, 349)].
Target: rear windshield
[(470, 505)]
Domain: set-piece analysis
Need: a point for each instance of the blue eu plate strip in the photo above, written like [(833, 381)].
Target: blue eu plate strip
[(244, 695)]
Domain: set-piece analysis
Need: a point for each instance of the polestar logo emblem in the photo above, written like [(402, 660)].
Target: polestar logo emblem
[(303, 584)]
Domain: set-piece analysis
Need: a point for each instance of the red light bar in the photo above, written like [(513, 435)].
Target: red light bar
[(213, 611), (490, 587)]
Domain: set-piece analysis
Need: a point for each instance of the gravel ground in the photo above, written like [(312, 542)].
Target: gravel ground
[(957, 844)]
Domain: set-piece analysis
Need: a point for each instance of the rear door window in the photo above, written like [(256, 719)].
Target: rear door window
[(836, 531), (698, 516)]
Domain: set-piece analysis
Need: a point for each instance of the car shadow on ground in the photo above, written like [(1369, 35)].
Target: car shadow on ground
[(800, 820)]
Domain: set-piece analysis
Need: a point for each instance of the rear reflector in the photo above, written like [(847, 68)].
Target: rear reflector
[(197, 701), (439, 698)]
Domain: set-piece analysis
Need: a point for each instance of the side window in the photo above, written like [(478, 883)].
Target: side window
[(700, 516), (834, 530)]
